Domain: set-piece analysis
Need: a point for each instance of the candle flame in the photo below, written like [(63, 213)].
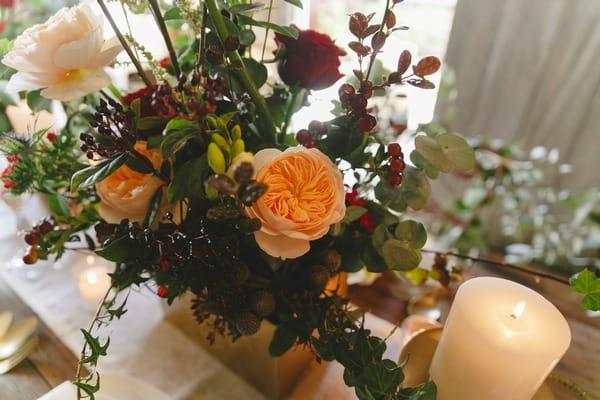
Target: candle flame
[(92, 278), (518, 311)]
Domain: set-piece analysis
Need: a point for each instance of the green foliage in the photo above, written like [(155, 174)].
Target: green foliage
[(93, 174), (587, 283)]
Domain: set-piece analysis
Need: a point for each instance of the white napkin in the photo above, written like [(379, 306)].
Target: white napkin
[(112, 387)]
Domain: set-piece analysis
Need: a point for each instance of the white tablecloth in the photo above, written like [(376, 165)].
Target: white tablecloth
[(145, 345)]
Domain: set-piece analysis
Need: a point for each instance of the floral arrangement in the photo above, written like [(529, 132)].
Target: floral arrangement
[(195, 183)]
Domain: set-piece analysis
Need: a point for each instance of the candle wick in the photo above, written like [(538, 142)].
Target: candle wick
[(513, 316)]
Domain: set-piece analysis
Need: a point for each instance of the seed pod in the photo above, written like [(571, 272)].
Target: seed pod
[(236, 132), (262, 303), (333, 261), (247, 323), (220, 141), (216, 159), (318, 276)]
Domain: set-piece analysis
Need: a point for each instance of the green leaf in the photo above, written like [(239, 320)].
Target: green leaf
[(173, 13), (87, 177), (587, 283), (119, 250), (283, 339), (154, 207), (257, 71), (284, 30), (383, 378), (58, 205), (353, 213), (399, 256), (411, 232), (457, 151), (245, 8), (149, 123), (177, 133), (297, 3), (36, 102), (182, 186), (143, 166), (425, 391)]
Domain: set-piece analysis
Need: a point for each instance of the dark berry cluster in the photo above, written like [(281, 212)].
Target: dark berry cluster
[(33, 238), (191, 99), (311, 137), (115, 131), (396, 164), (356, 102)]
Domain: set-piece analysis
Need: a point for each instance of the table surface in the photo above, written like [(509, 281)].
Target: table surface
[(54, 362)]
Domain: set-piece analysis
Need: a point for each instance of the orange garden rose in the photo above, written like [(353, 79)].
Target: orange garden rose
[(305, 196), (127, 193)]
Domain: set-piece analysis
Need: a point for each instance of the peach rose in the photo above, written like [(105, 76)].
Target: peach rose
[(305, 197), (127, 193)]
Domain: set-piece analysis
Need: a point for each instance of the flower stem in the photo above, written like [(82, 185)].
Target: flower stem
[(262, 55), (374, 54), (242, 72), (155, 8), (125, 45)]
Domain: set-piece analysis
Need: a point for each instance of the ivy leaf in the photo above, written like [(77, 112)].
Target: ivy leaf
[(587, 283), (457, 151), (425, 391), (119, 250), (119, 311), (90, 390), (383, 378), (87, 177), (399, 256), (96, 349), (177, 133)]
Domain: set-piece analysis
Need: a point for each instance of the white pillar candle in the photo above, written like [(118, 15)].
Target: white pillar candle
[(93, 284), (500, 341)]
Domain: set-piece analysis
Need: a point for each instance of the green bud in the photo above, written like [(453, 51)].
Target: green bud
[(238, 147), (220, 141), (212, 121), (236, 132), (216, 159)]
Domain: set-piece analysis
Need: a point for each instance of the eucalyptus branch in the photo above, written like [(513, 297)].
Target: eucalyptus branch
[(125, 45), (503, 264), (155, 8), (242, 72)]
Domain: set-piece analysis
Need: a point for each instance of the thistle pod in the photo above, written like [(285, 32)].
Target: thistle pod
[(238, 147), (216, 159), (220, 141)]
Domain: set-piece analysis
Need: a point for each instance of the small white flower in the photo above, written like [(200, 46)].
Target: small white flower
[(66, 55)]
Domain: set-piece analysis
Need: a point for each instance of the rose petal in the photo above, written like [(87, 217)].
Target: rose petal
[(281, 246)]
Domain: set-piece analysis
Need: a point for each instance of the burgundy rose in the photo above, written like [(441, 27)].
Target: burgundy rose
[(312, 60), (8, 3)]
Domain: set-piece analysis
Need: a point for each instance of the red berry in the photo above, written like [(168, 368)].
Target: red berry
[(366, 123), (395, 180), (311, 144), (12, 158), (397, 165), (316, 128), (31, 256), (303, 136), (165, 62), (394, 149), (51, 136), (346, 89), (164, 265), (162, 291), (8, 184), (32, 237)]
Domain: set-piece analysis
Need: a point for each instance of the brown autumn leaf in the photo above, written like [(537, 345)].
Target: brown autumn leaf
[(358, 74), (370, 17), (357, 23), (395, 77), (378, 41), (371, 29), (390, 19), (404, 62), (359, 48), (421, 83), (427, 66)]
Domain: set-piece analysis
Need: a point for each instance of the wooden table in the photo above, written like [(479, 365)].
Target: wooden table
[(51, 364)]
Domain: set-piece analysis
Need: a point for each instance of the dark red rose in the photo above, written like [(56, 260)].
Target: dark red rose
[(311, 61), (8, 3)]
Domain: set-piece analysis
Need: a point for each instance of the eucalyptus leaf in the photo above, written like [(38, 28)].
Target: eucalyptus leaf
[(353, 213), (411, 232), (399, 256), (457, 151), (432, 152)]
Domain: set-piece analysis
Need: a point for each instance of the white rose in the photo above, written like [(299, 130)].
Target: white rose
[(66, 55)]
